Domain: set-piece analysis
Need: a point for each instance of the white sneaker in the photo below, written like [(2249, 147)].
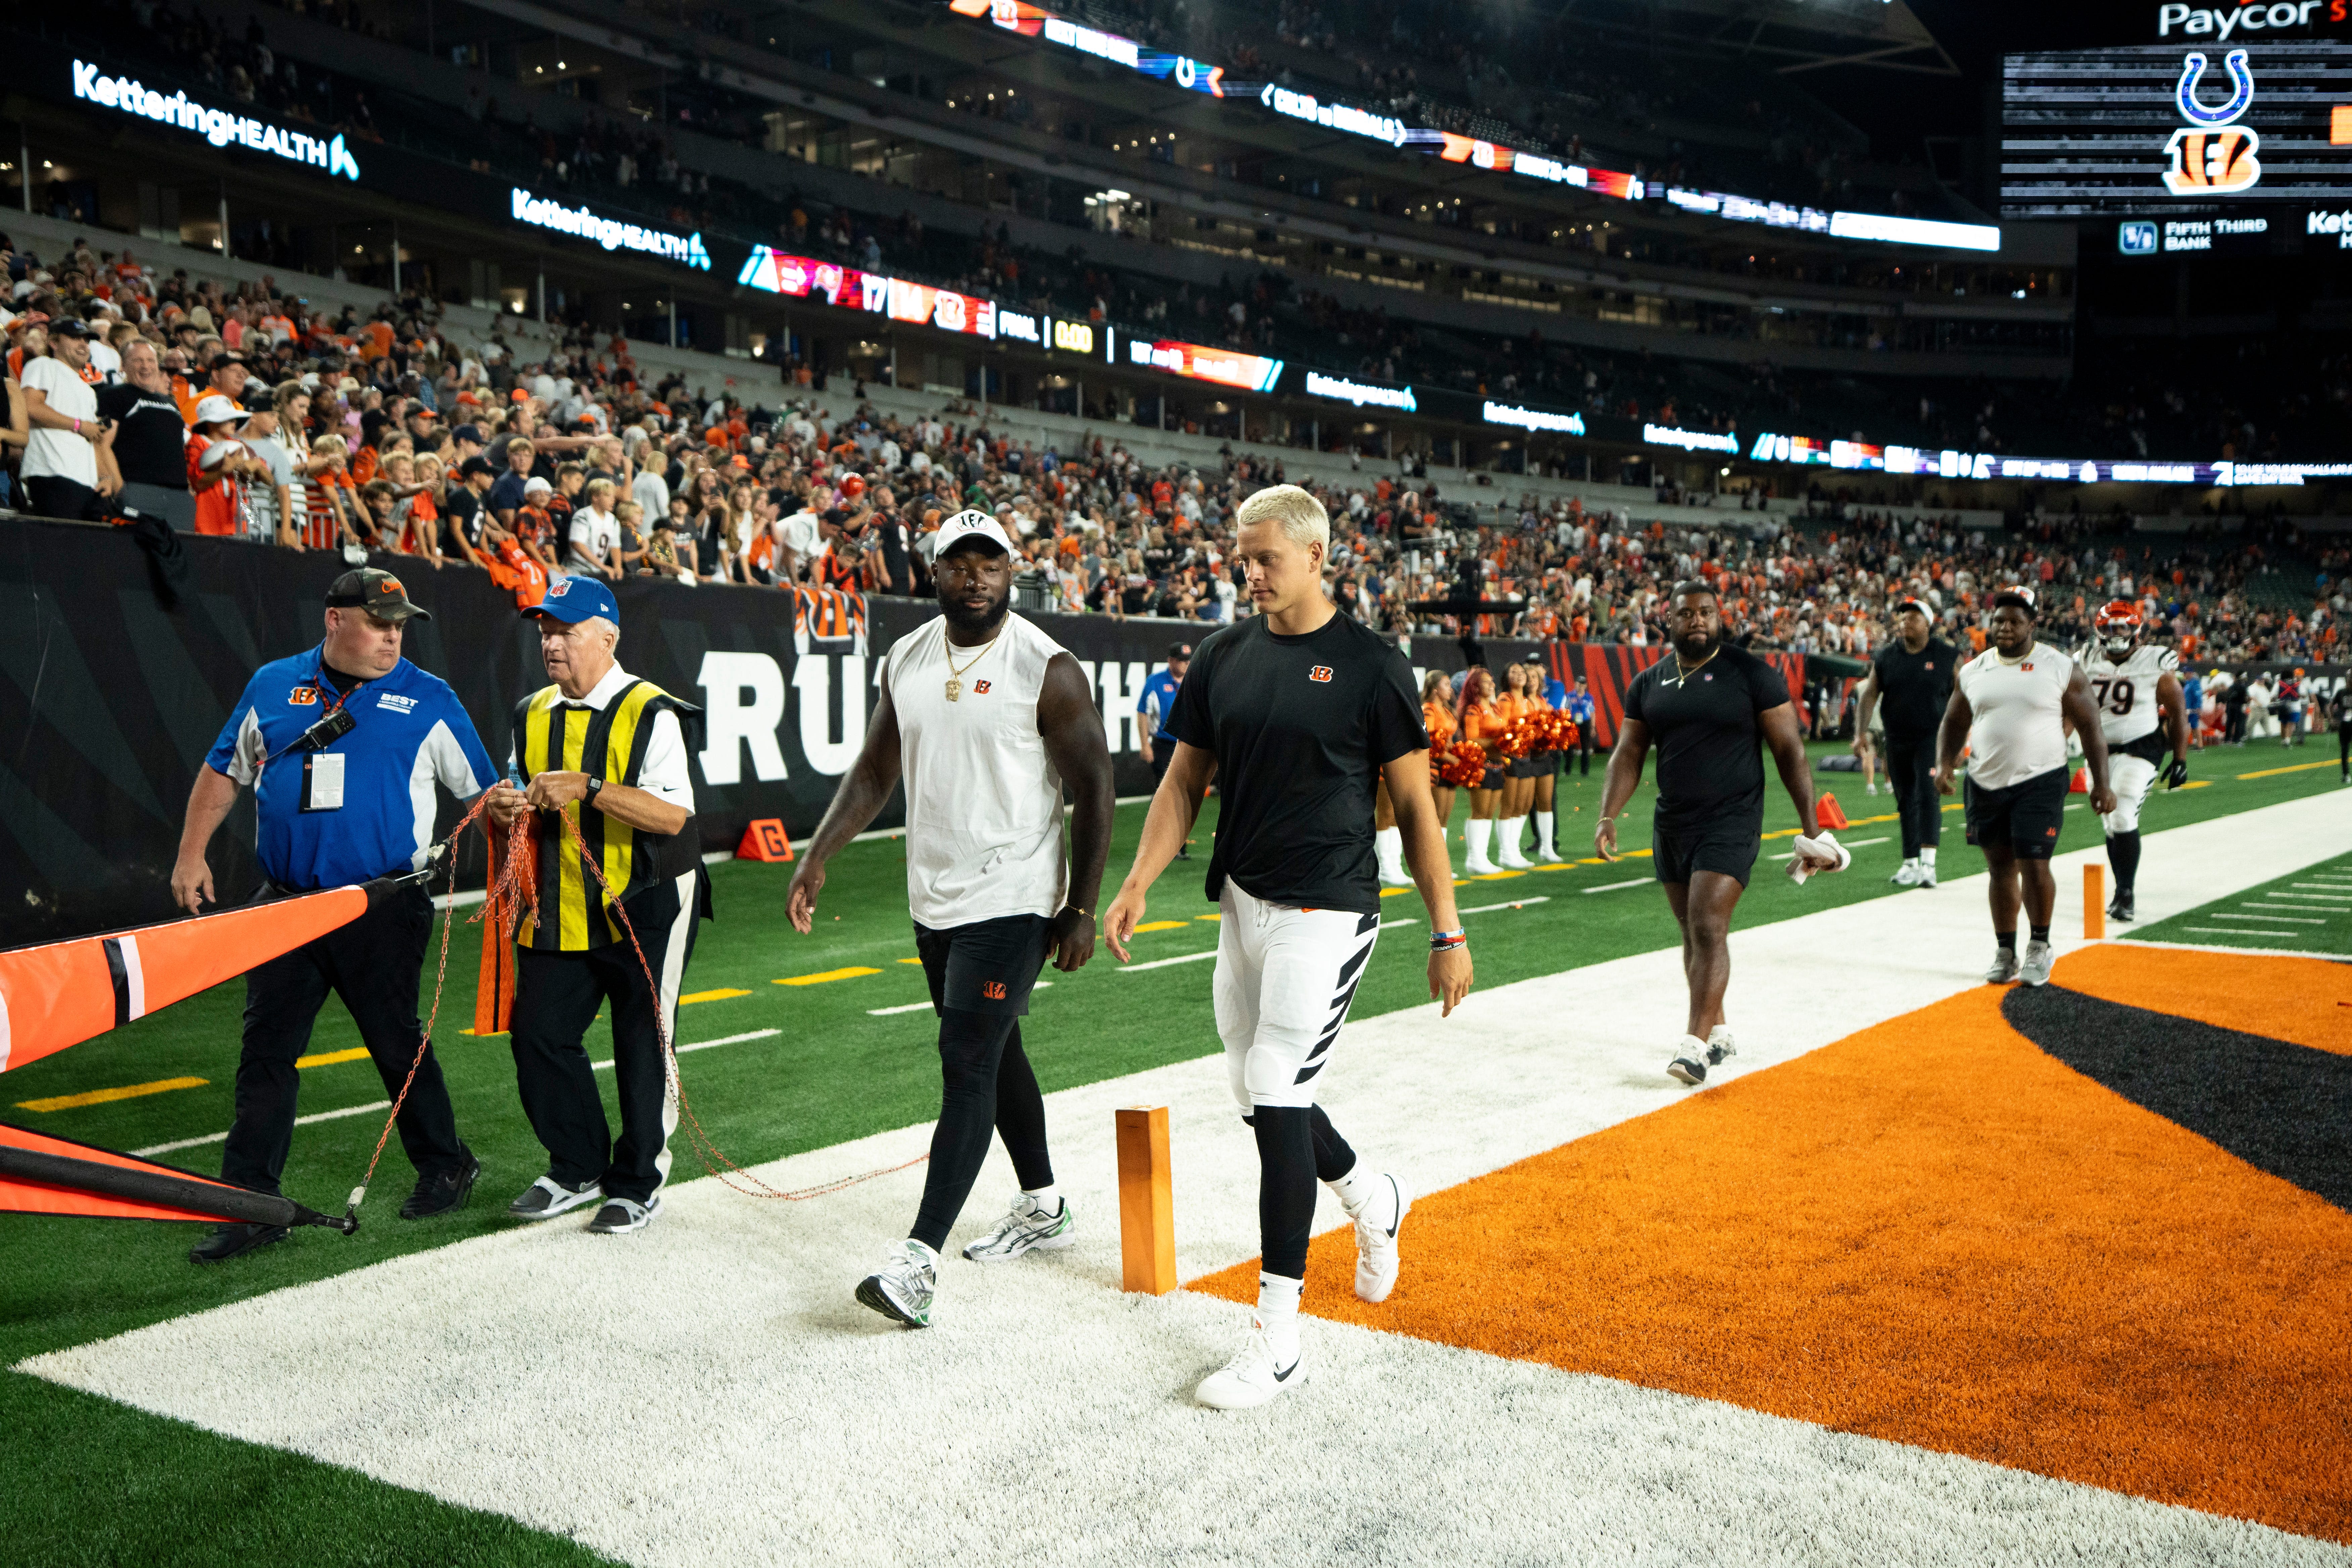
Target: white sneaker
[(1719, 1045), (1026, 1227), (1479, 865), (1512, 859), (903, 1286), (2004, 966), (1907, 875), (1689, 1065), (1926, 874), (2040, 956), (1253, 1376), (1873, 788), (1376, 1223), (547, 1198)]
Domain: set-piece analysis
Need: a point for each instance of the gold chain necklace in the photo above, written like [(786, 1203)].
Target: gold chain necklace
[(955, 676), (1683, 675)]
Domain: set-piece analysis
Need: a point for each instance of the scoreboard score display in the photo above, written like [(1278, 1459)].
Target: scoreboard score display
[(2200, 129)]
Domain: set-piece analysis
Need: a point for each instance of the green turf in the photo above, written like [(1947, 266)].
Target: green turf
[(836, 1072), (2309, 911)]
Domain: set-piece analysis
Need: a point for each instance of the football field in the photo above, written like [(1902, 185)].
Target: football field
[(1591, 1353)]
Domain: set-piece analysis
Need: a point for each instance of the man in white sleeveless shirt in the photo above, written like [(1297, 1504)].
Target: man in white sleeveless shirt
[(2011, 706), (986, 718)]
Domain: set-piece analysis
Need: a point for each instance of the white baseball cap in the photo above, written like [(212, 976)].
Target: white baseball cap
[(214, 408), (969, 523)]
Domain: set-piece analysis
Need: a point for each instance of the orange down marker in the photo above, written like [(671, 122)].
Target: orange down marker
[(765, 840), (1147, 1215)]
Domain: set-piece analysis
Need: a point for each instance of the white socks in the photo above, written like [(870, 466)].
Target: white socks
[(1277, 1315), (1388, 843), (1507, 842), (1928, 855), (1477, 832), (1048, 1199), (1353, 1189), (1543, 835)]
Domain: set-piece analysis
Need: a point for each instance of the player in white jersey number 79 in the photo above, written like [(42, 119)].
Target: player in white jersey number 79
[(2143, 713)]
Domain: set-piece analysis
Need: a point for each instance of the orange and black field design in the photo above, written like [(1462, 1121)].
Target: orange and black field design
[(2101, 1230)]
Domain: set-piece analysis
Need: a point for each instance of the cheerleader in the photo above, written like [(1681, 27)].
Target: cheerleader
[(1484, 719), (1543, 771), (1388, 840)]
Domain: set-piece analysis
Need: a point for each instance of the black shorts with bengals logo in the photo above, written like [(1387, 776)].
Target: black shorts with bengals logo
[(2026, 816), (988, 966)]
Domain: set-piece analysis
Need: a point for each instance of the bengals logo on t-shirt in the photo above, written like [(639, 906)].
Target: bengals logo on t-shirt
[(1320, 672), (303, 696), (980, 688)]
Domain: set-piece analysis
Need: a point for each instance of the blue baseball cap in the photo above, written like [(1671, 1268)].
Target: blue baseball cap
[(574, 599)]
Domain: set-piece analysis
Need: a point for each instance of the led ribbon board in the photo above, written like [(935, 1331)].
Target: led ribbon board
[(772, 271), (2183, 130), (612, 234), (1691, 440), (1360, 393), (217, 126), (1533, 418), (1771, 447), (1227, 367), (1036, 22)]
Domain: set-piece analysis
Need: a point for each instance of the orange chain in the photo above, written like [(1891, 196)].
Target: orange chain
[(516, 888)]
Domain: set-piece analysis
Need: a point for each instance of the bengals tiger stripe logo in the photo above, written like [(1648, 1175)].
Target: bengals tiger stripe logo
[(1321, 673), (2215, 162)]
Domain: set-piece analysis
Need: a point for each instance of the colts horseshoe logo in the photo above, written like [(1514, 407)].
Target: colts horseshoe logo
[(2213, 157), (2242, 89)]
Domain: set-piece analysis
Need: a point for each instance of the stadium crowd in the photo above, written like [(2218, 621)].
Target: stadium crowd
[(244, 412)]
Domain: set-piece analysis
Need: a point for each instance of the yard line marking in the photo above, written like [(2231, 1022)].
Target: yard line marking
[(910, 960), (1856, 844), (926, 1006), (1621, 887), (852, 972), (1515, 903), (1404, 921), (2266, 920), (108, 1096), (2233, 951), (718, 996), (1164, 962), (318, 1116), (1161, 925), (2274, 773), (329, 1059), (2290, 909), (705, 1044), (2302, 899)]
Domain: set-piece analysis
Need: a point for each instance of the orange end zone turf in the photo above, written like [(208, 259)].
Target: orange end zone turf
[(1930, 1232)]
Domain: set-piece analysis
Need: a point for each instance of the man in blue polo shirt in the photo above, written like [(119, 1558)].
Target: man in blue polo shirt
[(1152, 710), (344, 743)]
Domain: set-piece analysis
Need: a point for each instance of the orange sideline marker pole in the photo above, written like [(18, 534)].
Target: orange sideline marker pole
[(1147, 1216), (2095, 901)]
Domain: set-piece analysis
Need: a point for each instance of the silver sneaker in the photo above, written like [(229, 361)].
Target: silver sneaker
[(1026, 1227), (903, 1286), (2004, 966), (1719, 1045), (1905, 875), (1927, 878), (2039, 958), (1253, 1377), (623, 1215), (547, 1198)]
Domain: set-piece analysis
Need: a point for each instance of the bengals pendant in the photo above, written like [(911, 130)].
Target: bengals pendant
[(955, 689)]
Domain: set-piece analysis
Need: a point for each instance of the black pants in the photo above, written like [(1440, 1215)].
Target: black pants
[(2344, 748), (1911, 775), (1585, 750), (1164, 751), (50, 496), (980, 975), (373, 964), (556, 995)]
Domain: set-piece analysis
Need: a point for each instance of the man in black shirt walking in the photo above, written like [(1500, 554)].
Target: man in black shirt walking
[(1295, 712), (1912, 676), (1705, 705)]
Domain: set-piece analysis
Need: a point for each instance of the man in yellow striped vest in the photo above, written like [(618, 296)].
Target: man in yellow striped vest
[(606, 754)]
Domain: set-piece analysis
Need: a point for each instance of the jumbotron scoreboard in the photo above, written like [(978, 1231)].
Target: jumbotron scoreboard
[(2204, 143)]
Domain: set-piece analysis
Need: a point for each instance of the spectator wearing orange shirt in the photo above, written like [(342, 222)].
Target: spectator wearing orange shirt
[(218, 467)]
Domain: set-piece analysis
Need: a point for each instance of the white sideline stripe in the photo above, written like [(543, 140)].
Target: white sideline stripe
[(1513, 904), (2264, 919), (1856, 844), (1621, 887), (155, 1149), (2234, 951), (1164, 962), (703, 1045), (783, 1352)]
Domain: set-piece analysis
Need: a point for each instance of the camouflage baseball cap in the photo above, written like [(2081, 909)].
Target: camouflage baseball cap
[(377, 592)]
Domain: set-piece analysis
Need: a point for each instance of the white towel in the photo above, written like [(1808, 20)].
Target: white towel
[(1826, 844)]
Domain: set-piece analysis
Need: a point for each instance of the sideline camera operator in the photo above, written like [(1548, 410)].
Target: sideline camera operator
[(346, 740)]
